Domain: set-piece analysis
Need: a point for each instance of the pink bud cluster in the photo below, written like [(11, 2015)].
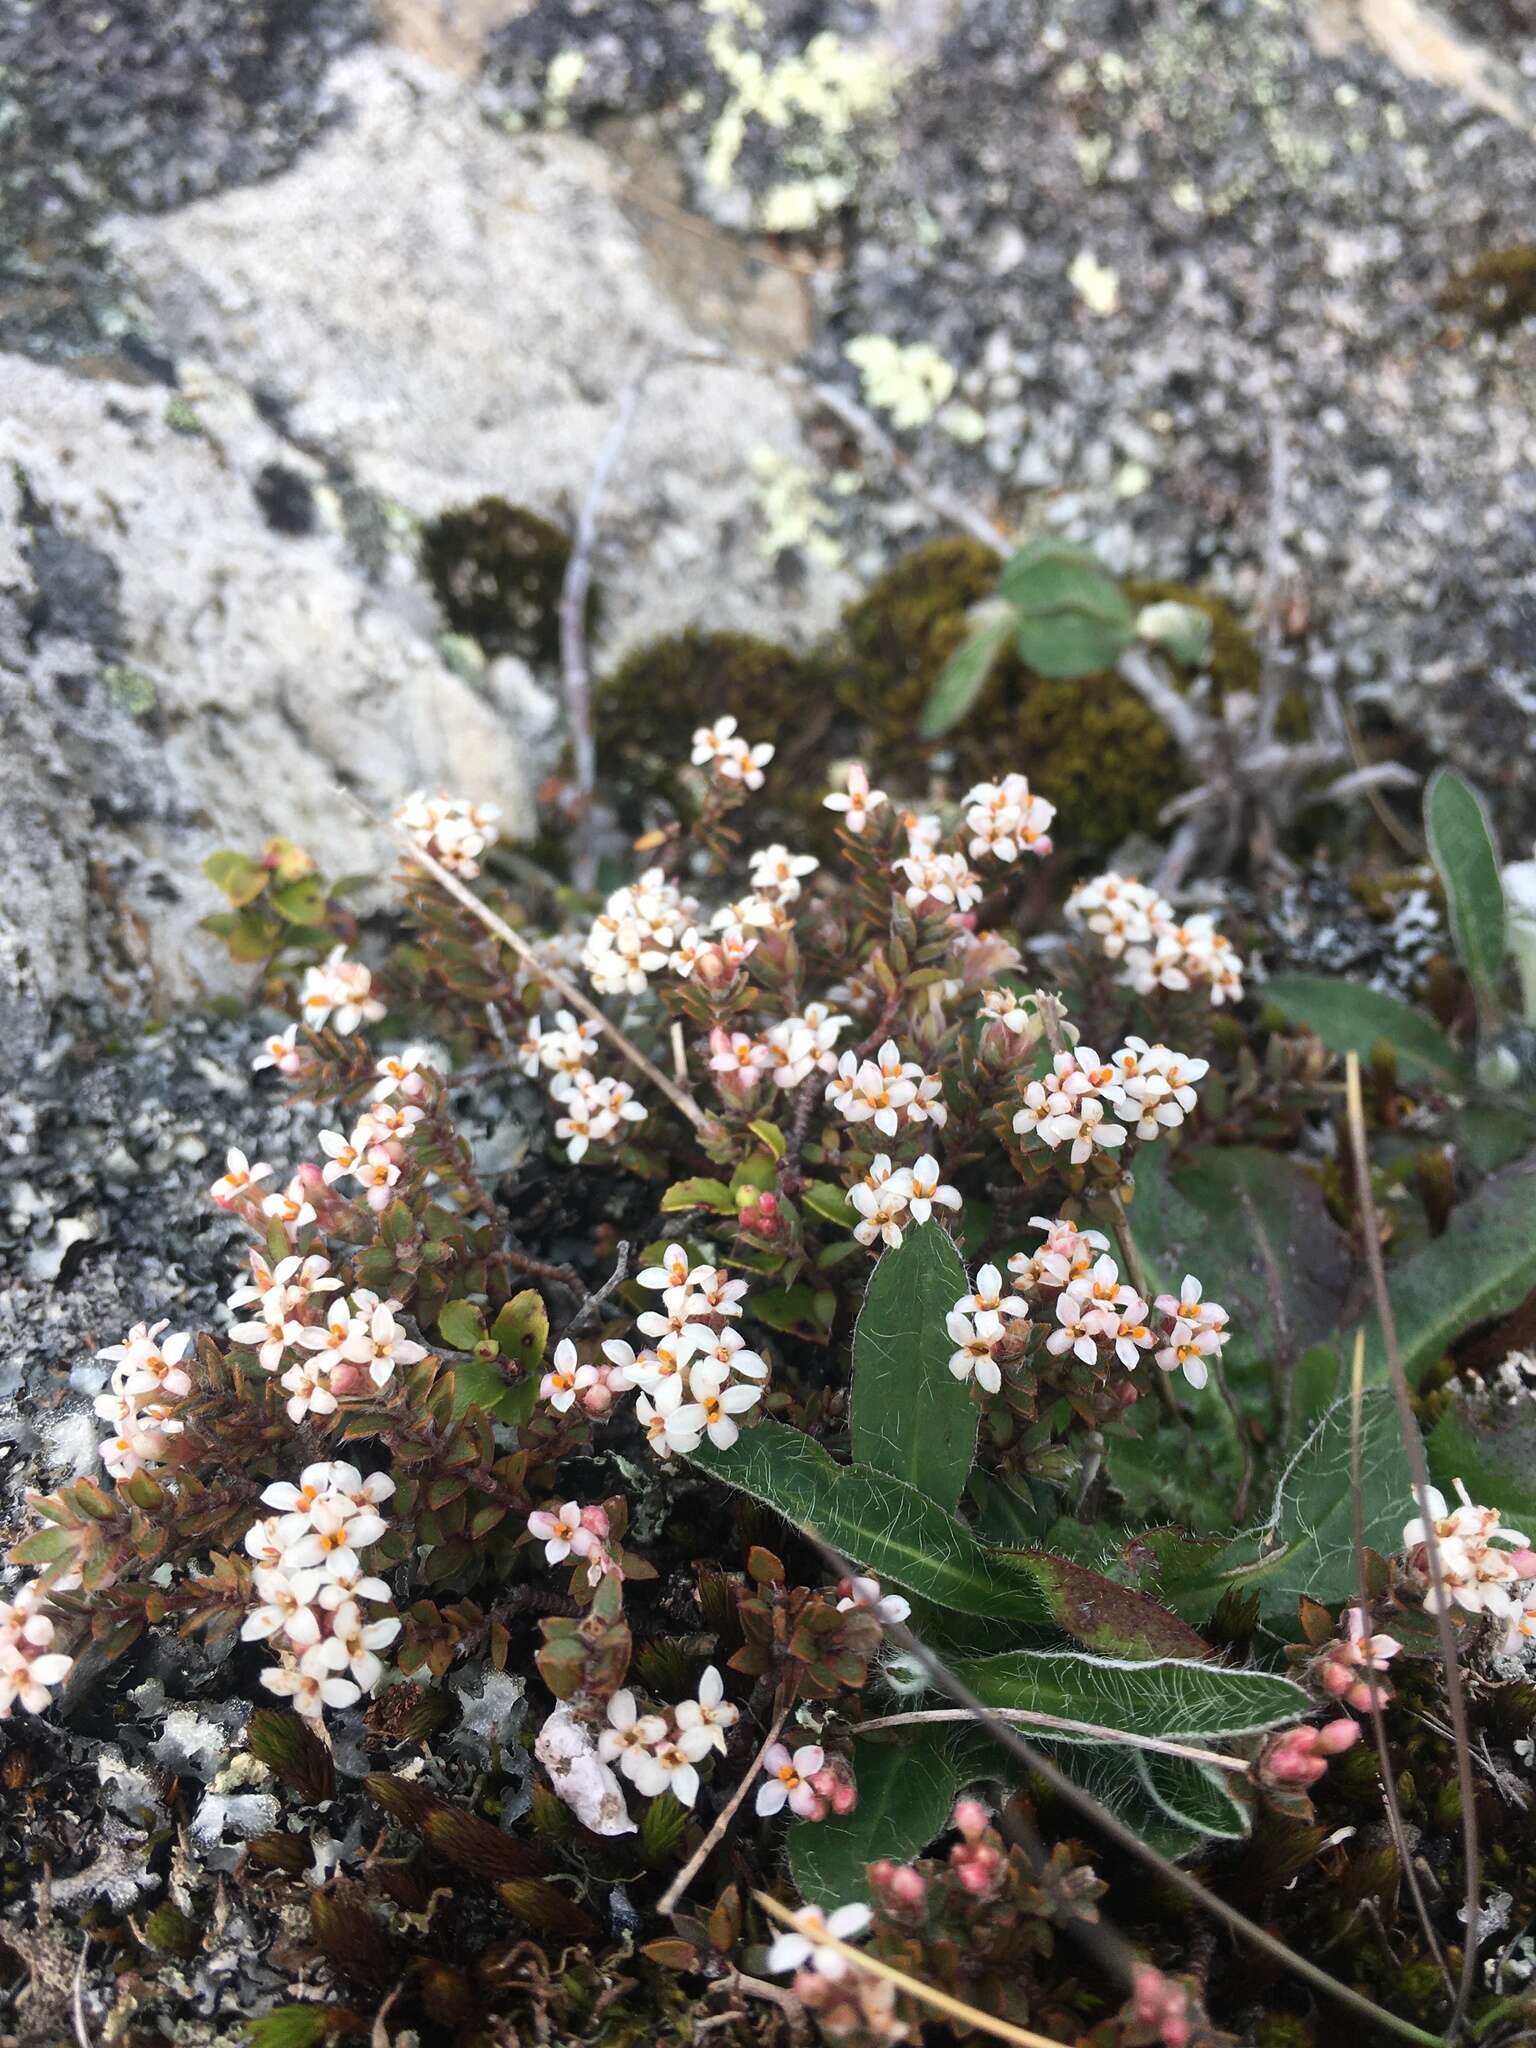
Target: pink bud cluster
[(1349, 1670), (1300, 1756)]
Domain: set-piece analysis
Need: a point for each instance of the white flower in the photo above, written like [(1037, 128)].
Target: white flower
[(887, 1607), (720, 1405), (359, 1642), (1083, 1126), (777, 873), (1186, 1350), (281, 1052), (672, 1270), (239, 1177), (629, 1733), (975, 1340), (711, 1711), (1473, 1574), (340, 991), (725, 1353), (452, 829), (927, 1189), (401, 1074), (1006, 819), (987, 1295), (719, 747), (796, 1948), (672, 1765), (562, 1533), (566, 1378), (312, 1683), (942, 879), (786, 1779), (881, 1199), (670, 1423), (859, 801), (31, 1670)]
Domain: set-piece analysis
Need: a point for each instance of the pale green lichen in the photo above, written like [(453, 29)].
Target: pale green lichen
[(827, 89), (910, 382), (560, 82), (1095, 283), (794, 516)]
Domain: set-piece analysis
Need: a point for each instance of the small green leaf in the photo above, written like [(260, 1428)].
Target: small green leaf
[(301, 902), (477, 1383), (769, 1135), (795, 1310), (521, 1330), (829, 1202), (889, 1528), (1461, 846), (698, 1193), (963, 677), (1106, 1616), (906, 1794), (1312, 1521), (909, 1415), (1349, 1018), (237, 876), (461, 1325), (1073, 620), (289, 2026)]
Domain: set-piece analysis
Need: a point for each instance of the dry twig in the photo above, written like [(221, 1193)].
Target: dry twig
[(1455, 1694)]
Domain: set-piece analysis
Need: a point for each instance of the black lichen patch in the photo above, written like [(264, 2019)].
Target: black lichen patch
[(286, 499), (497, 571), (1497, 291)]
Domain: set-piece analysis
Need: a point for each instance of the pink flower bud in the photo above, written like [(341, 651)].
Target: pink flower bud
[(901, 1890), (1336, 1737), (979, 1868), (596, 1519), (713, 970), (1335, 1677), (971, 1819), (1523, 1563)]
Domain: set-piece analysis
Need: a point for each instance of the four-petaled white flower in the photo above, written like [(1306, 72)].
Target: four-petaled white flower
[(859, 801), (803, 1945), (562, 1533), (786, 1779)]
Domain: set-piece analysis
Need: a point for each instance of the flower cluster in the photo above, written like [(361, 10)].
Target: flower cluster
[(451, 828), (1350, 1668), (694, 1377), (592, 1107), (636, 934), (1148, 1088), (1099, 1318), (148, 1380), (30, 1668), (886, 1091), (373, 1153), (310, 1586), (339, 1349), (662, 1752), (721, 749), (939, 884), (1005, 819), (1299, 1756), (888, 1198), (1138, 927), (339, 992), (1484, 1568)]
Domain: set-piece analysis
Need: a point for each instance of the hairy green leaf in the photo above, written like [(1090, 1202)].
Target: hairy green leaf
[(906, 1792), (910, 1416), (1350, 1018), (1174, 1697), (880, 1523), (1199, 1797), (1483, 1265), (1461, 846), (1309, 1541), (963, 676)]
